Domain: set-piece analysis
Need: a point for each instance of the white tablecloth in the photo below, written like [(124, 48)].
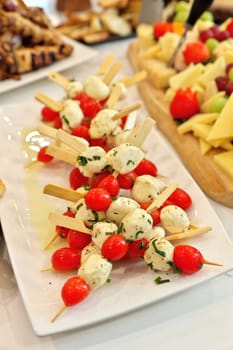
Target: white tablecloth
[(200, 318)]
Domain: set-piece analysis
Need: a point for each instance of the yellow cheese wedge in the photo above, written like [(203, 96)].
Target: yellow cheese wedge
[(188, 77), (204, 118), (145, 36), (210, 90), (205, 107), (212, 71), (201, 130), (225, 162), (223, 127), (158, 73), (204, 146)]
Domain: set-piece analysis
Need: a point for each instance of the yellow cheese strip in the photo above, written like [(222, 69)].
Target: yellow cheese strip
[(78, 144), (225, 162), (210, 90), (203, 130), (65, 155), (223, 127), (205, 118), (213, 71), (189, 233), (63, 193), (162, 197), (140, 132), (47, 130), (187, 78), (204, 146)]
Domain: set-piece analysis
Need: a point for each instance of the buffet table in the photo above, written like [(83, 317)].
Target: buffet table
[(200, 317)]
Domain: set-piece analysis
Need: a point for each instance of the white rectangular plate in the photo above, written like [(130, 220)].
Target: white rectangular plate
[(80, 54), (24, 210)]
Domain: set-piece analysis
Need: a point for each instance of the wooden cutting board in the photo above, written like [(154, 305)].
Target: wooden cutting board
[(213, 181)]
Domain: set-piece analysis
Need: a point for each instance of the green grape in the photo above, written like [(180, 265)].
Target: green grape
[(211, 44), (182, 6), (181, 17), (230, 74), (218, 104), (207, 16)]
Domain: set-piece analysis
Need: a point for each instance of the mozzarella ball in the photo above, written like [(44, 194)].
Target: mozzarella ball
[(92, 161), (121, 137), (174, 219), (159, 254), (103, 124), (87, 251), (119, 208), (146, 188), (136, 224), (71, 114), (90, 217), (96, 88), (124, 158), (73, 89), (95, 271), (101, 231), (156, 232)]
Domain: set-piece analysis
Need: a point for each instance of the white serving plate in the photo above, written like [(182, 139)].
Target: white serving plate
[(80, 54), (24, 210)]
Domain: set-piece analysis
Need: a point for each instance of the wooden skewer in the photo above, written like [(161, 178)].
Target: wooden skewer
[(207, 262), (47, 101), (114, 96), (189, 233), (59, 79), (22, 4), (2, 188), (66, 221), (134, 79), (105, 65), (60, 311), (139, 133), (63, 193), (50, 268), (65, 155), (47, 130), (162, 197), (50, 242), (78, 144), (127, 110), (110, 75)]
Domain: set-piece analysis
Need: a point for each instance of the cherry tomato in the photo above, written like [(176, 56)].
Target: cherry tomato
[(196, 52), (97, 178), (114, 247), (155, 214), (66, 259), (48, 115), (101, 142), (89, 105), (110, 183), (137, 248), (123, 121), (81, 131), (43, 157), (184, 104), (57, 123), (74, 291), (98, 199), (127, 180), (78, 240), (77, 179), (146, 167), (181, 198), (187, 259), (161, 28), (63, 231)]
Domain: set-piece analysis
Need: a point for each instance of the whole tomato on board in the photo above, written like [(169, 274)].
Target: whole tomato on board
[(184, 104)]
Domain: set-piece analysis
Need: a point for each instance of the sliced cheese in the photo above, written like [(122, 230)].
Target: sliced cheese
[(205, 107), (223, 127), (204, 118), (201, 130), (188, 77), (145, 36), (212, 71), (204, 146), (210, 90), (225, 162), (158, 73)]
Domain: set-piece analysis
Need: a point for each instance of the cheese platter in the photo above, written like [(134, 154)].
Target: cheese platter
[(210, 168)]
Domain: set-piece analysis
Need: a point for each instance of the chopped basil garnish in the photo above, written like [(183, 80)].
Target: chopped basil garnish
[(108, 280), (82, 161), (65, 120), (121, 228), (79, 206), (130, 162), (138, 233), (160, 252), (159, 280)]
